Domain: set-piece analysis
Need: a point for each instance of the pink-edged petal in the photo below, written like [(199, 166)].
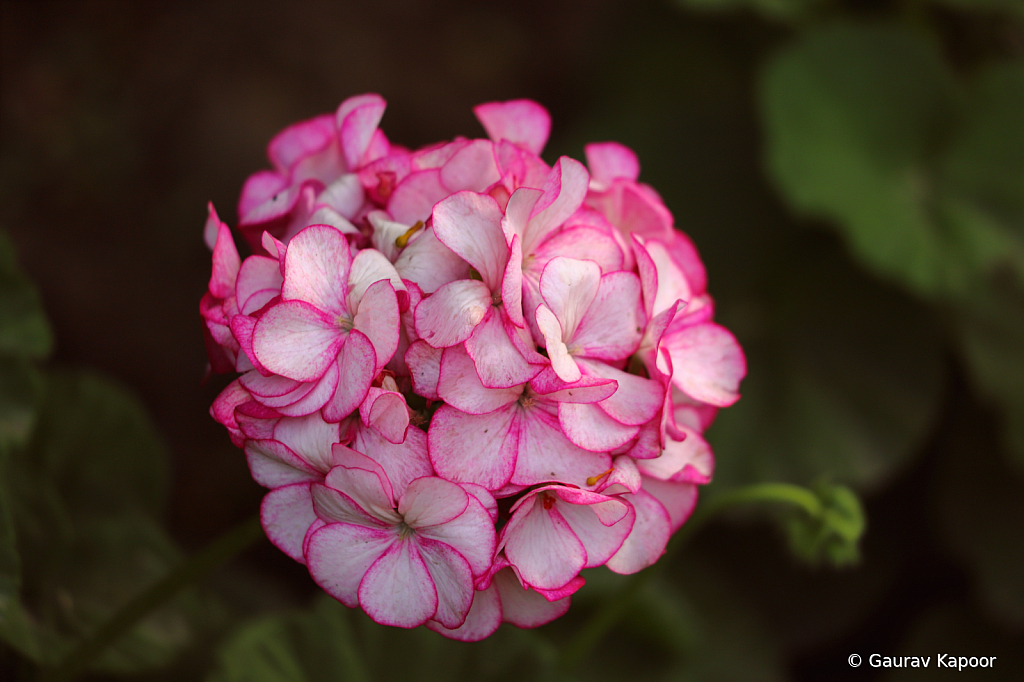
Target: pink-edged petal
[(610, 161), (387, 412), (336, 506), (470, 225), (569, 287), (286, 514), (586, 390), (600, 541), (562, 363), (260, 189), (452, 580), (499, 364), (266, 388), (357, 364), (379, 319), (414, 197), (648, 271), (368, 267), (583, 242), (689, 460), (647, 540), (424, 364), (545, 454), (708, 363), (612, 326), (316, 266), (471, 533), (543, 547), (567, 590), (521, 121), (460, 386), (259, 281), (357, 119), (340, 554), (484, 497), (223, 408), (296, 340), (320, 394), (523, 607), (300, 140), (679, 499), (225, 262), (471, 168), (590, 427), (311, 438), (398, 588), (621, 478), (345, 196), (273, 464), (637, 400), (518, 210), (432, 501), (564, 191), (488, 458), (402, 463), (483, 618), (450, 314), (672, 283), (512, 284), (430, 263)]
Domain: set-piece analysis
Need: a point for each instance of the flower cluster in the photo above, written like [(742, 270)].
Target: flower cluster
[(465, 375)]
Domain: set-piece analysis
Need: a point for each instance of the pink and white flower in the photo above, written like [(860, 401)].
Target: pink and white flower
[(423, 334)]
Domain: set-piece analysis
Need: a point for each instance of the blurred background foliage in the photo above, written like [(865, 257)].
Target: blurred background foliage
[(851, 171)]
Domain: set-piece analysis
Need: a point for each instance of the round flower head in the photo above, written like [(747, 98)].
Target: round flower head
[(422, 334)]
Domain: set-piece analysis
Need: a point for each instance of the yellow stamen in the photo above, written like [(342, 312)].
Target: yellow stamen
[(594, 479), (402, 240)]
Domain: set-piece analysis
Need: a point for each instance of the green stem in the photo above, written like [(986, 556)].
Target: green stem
[(614, 609), (221, 550)]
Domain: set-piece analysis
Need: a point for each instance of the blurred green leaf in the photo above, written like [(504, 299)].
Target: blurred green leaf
[(851, 113), (685, 623), (777, 9), (330, 642), (1008, 6), (84, 497), (24, 331), (21, 388), (834, 533), (844, 380), (924, 178)]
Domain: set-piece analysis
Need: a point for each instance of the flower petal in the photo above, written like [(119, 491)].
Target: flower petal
[(459, 384), (296, 340), (470, 225), (450, 314), (398, 588), (286, 514), (316, 268), (543, 547), (340, 554), (647, 540), (520, 121), (487, 459), (498, 362)]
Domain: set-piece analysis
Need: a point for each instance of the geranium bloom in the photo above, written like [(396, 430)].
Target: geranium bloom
[(465, 375)]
